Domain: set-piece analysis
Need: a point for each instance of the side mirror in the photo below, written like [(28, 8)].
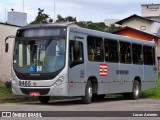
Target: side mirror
[(6, 47), (7, 44)]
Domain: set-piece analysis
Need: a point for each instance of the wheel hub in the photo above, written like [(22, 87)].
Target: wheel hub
[(90, 92)]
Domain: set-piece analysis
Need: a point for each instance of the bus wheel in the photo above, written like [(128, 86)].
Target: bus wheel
[(88, 93), (44, 99), (136, 90)]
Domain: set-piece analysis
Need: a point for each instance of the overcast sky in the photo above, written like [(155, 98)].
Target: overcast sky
[(83, 10)]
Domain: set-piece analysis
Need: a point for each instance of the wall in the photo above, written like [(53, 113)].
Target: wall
[(137, 22), (155, 27), (12, 18), (149, 10), (5, 58)]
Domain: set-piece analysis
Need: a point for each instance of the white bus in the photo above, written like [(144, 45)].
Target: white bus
[(62, 60)]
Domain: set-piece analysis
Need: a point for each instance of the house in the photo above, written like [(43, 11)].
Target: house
[(5, 60), (140, 23)]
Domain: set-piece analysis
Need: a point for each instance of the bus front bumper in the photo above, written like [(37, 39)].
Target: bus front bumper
[(61, 90)]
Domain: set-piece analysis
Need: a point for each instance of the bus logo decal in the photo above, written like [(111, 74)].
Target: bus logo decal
[(103, 69)]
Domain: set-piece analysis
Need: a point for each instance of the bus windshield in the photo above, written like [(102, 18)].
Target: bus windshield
[(38, 55)]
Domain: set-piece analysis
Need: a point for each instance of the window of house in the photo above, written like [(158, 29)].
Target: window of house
[(142, 27)]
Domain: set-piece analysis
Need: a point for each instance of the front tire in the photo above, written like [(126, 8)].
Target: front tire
[(87, 99), (44, 99)]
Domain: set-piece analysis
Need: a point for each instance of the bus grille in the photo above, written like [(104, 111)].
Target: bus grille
[(43, 91)]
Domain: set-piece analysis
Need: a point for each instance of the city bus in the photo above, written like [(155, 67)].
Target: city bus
[(67, 60)]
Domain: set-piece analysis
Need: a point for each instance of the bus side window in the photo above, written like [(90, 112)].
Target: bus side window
[(95, 48), (125, 52), (148, 55), (76, 55), (111, 50), (137, 54), (154, 61)]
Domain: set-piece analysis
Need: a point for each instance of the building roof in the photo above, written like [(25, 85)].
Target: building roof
[(129, 28), (9, 24), (149, 4), (132, 16), (108, 22)]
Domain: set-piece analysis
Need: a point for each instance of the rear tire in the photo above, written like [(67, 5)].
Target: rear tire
[(44, 99), (136, 90), (87, 99)]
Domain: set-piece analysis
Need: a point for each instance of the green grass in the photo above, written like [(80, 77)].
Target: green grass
[(6, 96), (5, 92), (152, 93)]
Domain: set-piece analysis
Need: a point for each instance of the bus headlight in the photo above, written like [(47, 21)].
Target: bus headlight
[(59, 81), (14, 81)]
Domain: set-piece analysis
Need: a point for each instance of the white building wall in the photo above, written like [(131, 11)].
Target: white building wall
[(150, 10), (17, 18), (139, 24), (155, 27), (5, 58)]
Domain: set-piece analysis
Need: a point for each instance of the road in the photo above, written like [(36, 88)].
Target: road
[(107, 104)]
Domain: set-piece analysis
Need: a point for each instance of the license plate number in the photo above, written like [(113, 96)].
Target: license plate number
[(24, 83)]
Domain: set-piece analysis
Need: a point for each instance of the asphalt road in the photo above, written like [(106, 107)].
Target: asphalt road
[(107, 104)]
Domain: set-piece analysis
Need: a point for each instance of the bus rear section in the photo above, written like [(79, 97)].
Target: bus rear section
[(106, 63)]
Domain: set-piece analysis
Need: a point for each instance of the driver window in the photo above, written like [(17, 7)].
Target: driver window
[(76, 53)]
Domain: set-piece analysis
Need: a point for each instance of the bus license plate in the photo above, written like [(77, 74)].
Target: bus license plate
[(24, 83), (34, 94)]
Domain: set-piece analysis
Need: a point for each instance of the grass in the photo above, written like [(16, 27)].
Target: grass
[(6, 96), (152, 93), (5, 92)]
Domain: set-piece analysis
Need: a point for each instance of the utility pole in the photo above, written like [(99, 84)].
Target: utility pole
[(54, 12), (5, 15), (23, 6)]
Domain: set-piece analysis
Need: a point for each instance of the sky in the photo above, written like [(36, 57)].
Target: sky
[(83, 10)]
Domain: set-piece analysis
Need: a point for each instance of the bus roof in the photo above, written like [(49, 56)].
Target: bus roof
[(63, 24), (111, 36), (74, 27)]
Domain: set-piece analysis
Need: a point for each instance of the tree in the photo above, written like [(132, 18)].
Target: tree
[(85, 23), (97, 26), (60, 19), (42, 18), (70, 19), (65, 19), (112, 28)]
